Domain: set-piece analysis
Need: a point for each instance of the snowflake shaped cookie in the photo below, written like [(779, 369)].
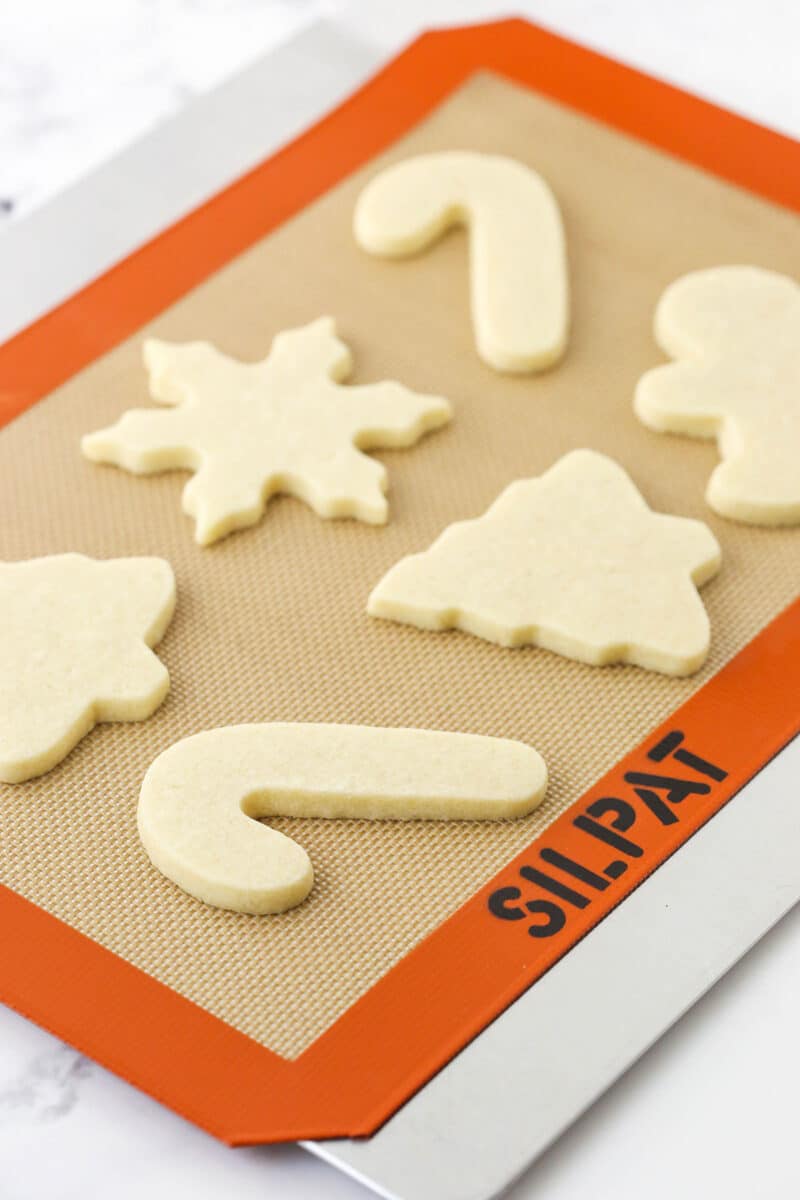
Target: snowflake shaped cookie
[(250, 430), (75, 638), (573, 561), (736, 334)]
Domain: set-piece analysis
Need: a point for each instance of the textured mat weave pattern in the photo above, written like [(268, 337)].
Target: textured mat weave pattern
[(270, 623)]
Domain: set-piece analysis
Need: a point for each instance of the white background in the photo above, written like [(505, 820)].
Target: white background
[(711, 1111)]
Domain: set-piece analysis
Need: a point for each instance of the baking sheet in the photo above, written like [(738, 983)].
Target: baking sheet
[(271, 624)]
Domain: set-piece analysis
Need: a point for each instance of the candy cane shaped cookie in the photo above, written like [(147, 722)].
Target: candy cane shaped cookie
[(518, 271), (200, 797)]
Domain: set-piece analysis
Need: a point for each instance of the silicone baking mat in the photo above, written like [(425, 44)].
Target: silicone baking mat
[(270, 623)]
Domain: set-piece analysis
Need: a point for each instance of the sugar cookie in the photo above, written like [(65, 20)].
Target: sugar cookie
[(200, 796), (250, 430), (74, 638), (573, 561), (736, 332), (518, 271)]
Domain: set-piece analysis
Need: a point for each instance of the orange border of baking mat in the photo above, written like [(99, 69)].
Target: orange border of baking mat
[(475, 963)]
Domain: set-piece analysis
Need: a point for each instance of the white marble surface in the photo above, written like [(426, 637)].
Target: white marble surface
[(79, 80), (710, 1111)]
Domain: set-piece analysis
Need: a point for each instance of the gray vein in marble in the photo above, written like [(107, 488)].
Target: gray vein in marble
[(47, 1089)]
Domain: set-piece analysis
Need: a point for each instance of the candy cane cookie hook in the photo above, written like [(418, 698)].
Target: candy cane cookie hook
[(200, 796), (518, 271)]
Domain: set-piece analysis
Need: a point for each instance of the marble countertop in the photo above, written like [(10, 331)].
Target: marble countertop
[(79, 81), (713, 1103)]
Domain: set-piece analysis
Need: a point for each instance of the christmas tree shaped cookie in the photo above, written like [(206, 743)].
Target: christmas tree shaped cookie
[(573, 561), (735, 332), (250, 430), (74, 650)]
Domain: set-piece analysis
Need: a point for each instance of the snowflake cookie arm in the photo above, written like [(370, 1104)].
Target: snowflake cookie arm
[(177, 371), (145, 441), (342, 483), (295, 353), (220, 501), (345, 481), (388, 414)]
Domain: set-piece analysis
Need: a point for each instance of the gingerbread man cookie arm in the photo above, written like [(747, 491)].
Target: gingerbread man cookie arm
[(518, 275), (759, 490), (201, 800), (654, 400)]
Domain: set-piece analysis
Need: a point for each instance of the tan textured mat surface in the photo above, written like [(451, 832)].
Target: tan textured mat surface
[(270, 623)]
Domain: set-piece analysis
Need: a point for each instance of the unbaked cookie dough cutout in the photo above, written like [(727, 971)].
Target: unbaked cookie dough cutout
[(518, 266), (573, 561), (251, 430), (735, 332), (75, 649), (202, 799)]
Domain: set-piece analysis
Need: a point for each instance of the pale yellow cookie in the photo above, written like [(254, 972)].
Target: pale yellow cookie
[(518, 268), (736, 334), (201, 798), (250, 430), (573, 561), (74, 650)]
